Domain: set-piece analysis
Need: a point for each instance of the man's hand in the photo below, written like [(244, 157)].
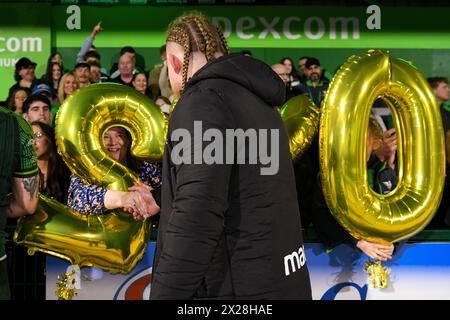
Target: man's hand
[(143, 193), (376, 251), (133, 202), (97, 28)]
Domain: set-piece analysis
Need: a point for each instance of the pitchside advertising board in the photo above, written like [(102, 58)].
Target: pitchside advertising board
[(264, 26), (419, 271), (33, 29)]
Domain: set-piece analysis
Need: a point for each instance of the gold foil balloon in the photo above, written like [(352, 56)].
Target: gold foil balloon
[(343, 134), (301, 118), (113, 241), (89, 113)]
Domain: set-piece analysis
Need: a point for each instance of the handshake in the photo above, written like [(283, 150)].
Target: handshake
[(139, 202)]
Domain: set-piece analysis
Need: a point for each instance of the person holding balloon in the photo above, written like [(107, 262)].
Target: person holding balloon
[(382, 179), (91, 199)]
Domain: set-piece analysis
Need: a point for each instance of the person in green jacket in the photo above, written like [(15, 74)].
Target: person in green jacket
[(19, 174)]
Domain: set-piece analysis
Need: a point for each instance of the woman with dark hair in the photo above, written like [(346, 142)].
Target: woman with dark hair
[(18, 96), (292, 73), (139, 82), (55, 57), (91, 199), (53, 75), (54, 175)]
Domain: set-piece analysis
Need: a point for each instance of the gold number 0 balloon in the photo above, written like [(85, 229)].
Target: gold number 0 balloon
[(112, 241), (343, 131)]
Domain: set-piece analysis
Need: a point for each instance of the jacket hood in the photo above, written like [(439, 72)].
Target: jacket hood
[(253, 74)]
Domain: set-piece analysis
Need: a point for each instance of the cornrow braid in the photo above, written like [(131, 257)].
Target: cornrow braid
[(211, 45), (187, 54), (223, 41), (198, 42), (180, 35), (195, 33)]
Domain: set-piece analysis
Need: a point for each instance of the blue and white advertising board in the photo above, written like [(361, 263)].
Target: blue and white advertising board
[(419, 271)]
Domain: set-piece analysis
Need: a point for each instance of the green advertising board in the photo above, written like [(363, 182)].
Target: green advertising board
[(24, 32), (332, 33), (268, 26)]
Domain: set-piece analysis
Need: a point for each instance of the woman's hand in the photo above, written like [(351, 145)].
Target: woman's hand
[(138, 201), (134, 203), (387, 151), (376, 251)]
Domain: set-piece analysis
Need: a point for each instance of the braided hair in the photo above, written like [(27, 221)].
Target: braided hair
[(195, 33)]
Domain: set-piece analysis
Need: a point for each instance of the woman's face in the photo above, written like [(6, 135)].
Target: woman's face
[(140, 83), (41, 143), (69, 85), (19, 98), (56, 72), (288, 64), (117, 143)]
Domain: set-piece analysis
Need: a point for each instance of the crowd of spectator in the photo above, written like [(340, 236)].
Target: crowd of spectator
[(38, 100)]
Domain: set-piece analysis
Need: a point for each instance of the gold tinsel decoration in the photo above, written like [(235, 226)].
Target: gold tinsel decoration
[(66, 286), (378, 274)]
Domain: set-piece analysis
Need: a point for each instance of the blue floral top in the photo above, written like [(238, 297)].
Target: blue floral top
[(89, 199)]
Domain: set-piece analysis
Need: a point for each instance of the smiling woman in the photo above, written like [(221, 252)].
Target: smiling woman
[(117, 143), (91, 199)]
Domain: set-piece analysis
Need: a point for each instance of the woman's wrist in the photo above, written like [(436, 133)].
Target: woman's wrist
[(115, 199)]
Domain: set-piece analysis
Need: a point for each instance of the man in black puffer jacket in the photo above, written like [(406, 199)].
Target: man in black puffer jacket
[(228, 229)]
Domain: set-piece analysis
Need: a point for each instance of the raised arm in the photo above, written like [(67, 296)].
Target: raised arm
[(88, 43)]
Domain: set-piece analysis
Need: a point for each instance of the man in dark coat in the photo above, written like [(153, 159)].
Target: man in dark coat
[(229, 228)]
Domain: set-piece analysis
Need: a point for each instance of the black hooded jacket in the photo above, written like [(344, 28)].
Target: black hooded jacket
[(226, 231)]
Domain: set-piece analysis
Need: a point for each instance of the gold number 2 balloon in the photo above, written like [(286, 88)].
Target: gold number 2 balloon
[(343, 134), (113, 241)]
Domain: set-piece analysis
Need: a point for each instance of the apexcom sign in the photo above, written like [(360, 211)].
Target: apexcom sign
[(24, 44)]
